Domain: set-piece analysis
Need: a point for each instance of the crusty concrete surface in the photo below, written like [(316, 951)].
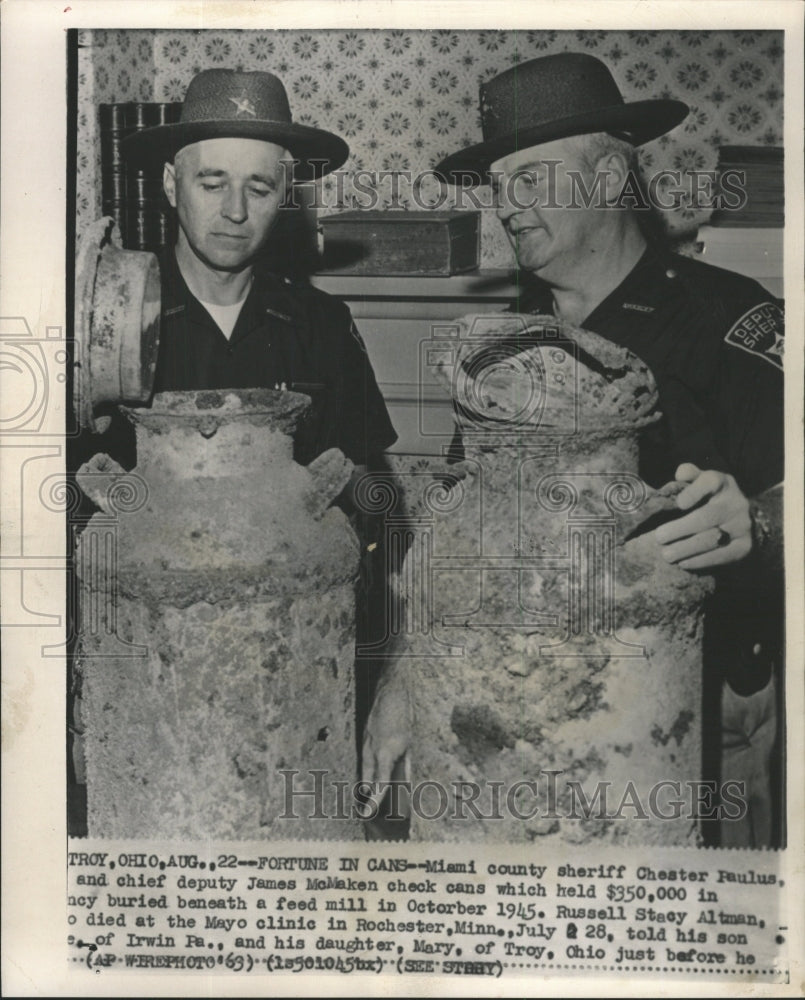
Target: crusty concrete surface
[(581, 646), (238, 578)]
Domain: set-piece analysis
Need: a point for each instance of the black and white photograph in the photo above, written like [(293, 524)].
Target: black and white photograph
[(401, 491)]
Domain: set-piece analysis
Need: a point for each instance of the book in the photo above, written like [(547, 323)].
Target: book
[(401, 242), (134, 198), (758, 171), (112, 131)]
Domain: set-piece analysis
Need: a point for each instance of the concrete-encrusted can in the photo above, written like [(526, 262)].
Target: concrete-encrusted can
[(217, 625), (560, 692)]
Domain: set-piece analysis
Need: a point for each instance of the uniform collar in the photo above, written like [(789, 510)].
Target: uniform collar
[(176, 296), (652, 281), (269, 296), (653, 267)]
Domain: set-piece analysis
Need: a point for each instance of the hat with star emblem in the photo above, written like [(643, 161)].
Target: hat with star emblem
[(227, 104), (553, 97)]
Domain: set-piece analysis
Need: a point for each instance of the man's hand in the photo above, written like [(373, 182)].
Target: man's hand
[(387, 736), (714, 534)]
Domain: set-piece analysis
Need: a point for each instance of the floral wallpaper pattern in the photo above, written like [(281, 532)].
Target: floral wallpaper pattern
[(404, 99)]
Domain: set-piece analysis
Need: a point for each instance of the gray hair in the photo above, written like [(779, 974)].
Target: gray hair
[(594, 145)]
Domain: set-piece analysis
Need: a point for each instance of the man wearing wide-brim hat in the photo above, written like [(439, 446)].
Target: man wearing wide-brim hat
[(227, 320), (555, 128)]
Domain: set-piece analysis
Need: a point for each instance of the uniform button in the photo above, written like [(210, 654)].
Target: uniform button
[(757, 649), (670, 273), (230, 351)]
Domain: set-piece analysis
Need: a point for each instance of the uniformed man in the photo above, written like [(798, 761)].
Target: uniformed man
[(227, 320), (559, 150)]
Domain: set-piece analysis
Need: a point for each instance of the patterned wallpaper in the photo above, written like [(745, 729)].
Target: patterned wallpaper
[(404, 99)]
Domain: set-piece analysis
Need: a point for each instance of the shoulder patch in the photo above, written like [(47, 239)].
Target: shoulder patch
[(760, 332)]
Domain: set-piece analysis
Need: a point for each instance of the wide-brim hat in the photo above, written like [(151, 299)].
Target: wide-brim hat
[(226, 104), (555, 97)]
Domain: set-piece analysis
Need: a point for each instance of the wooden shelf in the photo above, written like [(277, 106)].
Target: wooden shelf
[(474, 286)]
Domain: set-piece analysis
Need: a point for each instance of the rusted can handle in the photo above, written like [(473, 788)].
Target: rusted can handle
[(331, 471), (97, 476)]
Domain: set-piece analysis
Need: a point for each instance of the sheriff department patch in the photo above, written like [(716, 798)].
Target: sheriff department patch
[(760, 331)]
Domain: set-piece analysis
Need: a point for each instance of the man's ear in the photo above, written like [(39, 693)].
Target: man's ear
[(616, 166), (169, 183), (288, 163)]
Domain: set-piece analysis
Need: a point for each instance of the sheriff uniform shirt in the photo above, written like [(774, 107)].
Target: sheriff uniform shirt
[(287, 334), (713, 340)]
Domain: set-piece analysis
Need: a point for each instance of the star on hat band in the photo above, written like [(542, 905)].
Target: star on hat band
[(232, 104), (243, 105)]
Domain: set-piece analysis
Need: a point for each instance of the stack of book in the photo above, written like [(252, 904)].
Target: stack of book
[(112, 121), (757, 171), (134, 198)]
